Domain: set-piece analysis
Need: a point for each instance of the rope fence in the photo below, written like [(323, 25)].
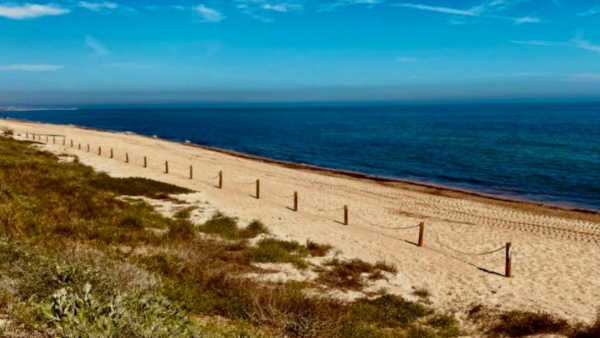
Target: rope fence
[(294, 198)]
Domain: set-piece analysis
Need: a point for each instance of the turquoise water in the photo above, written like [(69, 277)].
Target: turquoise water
[(540, 152)]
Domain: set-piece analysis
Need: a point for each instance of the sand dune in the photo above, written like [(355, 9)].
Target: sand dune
[(557, 252)]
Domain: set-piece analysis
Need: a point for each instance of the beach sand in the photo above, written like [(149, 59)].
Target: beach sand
[(556, 262)]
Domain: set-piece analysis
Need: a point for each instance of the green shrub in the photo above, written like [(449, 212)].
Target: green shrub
[(184, 213), (270, 250), (349, 274), (181, 231), (446, 325), (421, 293), (221, 225), (522, 323), (133, 315), (254, 229), (318, 250), (134, 186), (388, 311), (166, 265)]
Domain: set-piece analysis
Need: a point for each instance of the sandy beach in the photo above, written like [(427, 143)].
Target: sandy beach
[(556, 251)]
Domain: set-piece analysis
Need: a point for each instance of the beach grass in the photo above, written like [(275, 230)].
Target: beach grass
[(69, 240)]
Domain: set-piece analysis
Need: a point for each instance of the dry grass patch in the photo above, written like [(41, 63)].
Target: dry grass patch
[(318, 250), (516, 324), (352, 274), (271, 250)]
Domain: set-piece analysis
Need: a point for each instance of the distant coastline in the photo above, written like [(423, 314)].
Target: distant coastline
[(13, 109)]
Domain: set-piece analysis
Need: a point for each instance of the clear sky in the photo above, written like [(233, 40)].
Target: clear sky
[(169, 51)]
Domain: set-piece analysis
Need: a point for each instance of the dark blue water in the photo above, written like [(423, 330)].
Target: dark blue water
[(541, 152)]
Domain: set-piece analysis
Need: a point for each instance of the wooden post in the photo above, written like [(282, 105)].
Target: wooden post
[(88, 148), (257, 189), (126, 157), (166, 167), (220, 179), (53, 139), (421, 234), (26, 135), (295, 201), (145, 162), (64, 141), (345, 215), (71, 143), (191, 173), (46, 138), (99, 151), (508, 272), (111, 153), (79, 146)]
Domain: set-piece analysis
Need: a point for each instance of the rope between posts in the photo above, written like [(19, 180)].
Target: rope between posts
[(384, 227), (471, 253), (213, 178)]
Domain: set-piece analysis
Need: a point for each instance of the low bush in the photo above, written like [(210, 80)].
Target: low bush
[(522, 324), (134, 186), (184, 213), (133, 315), (388, 311), (221, 225), (422, 293), (254, 229), (318, 250), (353, 273), (166, 265), (181, 230), (270, 250), (445, 325)]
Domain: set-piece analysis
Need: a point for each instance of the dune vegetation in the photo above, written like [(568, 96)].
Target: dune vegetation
[(77, 259)]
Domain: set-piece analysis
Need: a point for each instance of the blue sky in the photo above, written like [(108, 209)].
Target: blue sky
[(161, 51)]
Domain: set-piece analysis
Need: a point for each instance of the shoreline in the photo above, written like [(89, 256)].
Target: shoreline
[(564, 210)]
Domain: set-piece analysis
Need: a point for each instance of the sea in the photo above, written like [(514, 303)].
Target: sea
[(540, 152)]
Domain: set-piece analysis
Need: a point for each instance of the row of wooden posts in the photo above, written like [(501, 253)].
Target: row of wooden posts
[(421, 241)]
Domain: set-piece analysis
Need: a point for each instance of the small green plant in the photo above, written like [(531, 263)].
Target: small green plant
[(227, 227), (318, 250), (270, 250), (221, 225), (522, 323), (388, 311), (73, 315), (349, 274), (181, 230), (421, 293), (166, 265), (184, 213), (254, 229), (446, 325)]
